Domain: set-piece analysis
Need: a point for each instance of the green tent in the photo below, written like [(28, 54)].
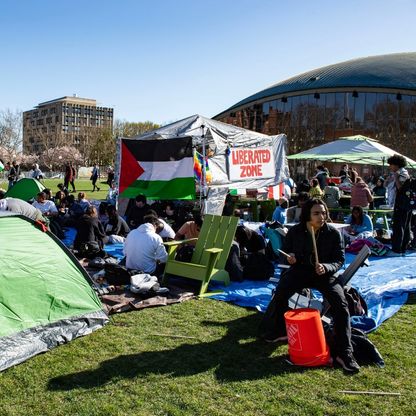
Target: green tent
[(46, 297), (25, 188), (352, 149)]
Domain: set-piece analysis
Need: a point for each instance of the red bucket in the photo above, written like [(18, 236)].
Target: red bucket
[(306, 339)]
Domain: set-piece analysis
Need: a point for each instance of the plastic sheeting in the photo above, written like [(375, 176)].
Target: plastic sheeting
[(219, 137), (384, 285)]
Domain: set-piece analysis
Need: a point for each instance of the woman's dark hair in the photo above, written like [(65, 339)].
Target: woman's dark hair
[(303, 196), (397, 160), (151, 219), (381, 180), (91, 211), (111, 209), (305, 215), (360, 211), (315, 182), (152, 212), (198, 219), (141, 198)]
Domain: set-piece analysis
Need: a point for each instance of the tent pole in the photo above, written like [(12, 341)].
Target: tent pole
[(204, 173)]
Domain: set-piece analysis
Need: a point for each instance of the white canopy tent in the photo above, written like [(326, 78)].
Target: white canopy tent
[(352, 149)]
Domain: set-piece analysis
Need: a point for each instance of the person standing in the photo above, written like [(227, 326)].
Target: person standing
[(73, 176), (69, 176), (313, 270), (94, 177), (321, 175), (401, 215), (14, 173)]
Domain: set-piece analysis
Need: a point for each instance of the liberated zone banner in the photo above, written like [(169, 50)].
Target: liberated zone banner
[(251, 163), (159, 169)]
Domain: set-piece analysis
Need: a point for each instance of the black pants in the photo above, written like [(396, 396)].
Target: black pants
[(294, 280), (401, 230)]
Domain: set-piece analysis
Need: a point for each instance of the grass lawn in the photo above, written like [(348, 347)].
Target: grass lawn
[(202, 358), (83, 185)]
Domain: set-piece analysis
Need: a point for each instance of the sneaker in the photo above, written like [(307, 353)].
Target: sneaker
[(272, 338), (348, 363)]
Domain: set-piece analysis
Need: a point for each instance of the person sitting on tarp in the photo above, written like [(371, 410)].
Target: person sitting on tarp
[(256, 265), (312, 269), (170, 216), (116, 227), (163, 228), (293, 213), (136, 211), (90, 234), (360, 225), (279, 214), (83, 201), (144, 249), (45, 205), (190, 229)]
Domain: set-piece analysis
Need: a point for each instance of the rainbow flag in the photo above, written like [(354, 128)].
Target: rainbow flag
[(198, 160)]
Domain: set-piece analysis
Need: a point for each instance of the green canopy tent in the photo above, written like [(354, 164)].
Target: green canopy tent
[(25, 188), (46, 297), (353, 149)]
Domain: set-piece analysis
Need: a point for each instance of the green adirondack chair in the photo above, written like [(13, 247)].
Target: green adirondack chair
[(210, 255)]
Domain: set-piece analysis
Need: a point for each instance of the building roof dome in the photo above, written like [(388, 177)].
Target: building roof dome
[(394, 71)]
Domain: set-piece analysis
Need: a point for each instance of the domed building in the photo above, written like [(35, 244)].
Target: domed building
[(373, 96)]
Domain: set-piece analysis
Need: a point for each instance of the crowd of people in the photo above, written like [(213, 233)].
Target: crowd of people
[(145, 227), (377, 192)]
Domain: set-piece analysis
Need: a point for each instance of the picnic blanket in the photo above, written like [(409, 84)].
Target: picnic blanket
[(384, 285)]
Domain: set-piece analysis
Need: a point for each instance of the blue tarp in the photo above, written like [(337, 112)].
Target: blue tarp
[(384, 285), (115, 250)]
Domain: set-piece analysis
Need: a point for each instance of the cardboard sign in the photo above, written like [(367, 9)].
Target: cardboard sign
[(251, 163)]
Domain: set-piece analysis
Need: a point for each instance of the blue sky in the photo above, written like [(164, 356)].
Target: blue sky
[(165, 60)]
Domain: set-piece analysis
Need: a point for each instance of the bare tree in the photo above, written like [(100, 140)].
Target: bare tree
[(123, 128), (11, 132)]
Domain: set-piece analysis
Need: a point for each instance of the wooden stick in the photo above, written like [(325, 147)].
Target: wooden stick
[(284, 253), (315, 250), (172, 336), (372, 393)]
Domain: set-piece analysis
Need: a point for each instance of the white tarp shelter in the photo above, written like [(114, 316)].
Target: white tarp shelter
[(220, 137)]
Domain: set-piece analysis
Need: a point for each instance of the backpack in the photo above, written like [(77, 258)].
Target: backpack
[(406, 195)]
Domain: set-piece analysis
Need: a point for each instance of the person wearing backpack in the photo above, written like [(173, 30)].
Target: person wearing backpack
[(402, 213)]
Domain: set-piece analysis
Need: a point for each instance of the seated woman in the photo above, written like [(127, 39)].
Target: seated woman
[(360, 225), (380, 191), (279, 214), (315, 191), (256, 265), (188, 230), (90, 233), (332, 194)]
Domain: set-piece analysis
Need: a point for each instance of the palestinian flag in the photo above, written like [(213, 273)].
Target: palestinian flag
[(158, 169), (1, 166)]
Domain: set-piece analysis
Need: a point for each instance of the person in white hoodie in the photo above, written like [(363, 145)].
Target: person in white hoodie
[(144, 249)]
